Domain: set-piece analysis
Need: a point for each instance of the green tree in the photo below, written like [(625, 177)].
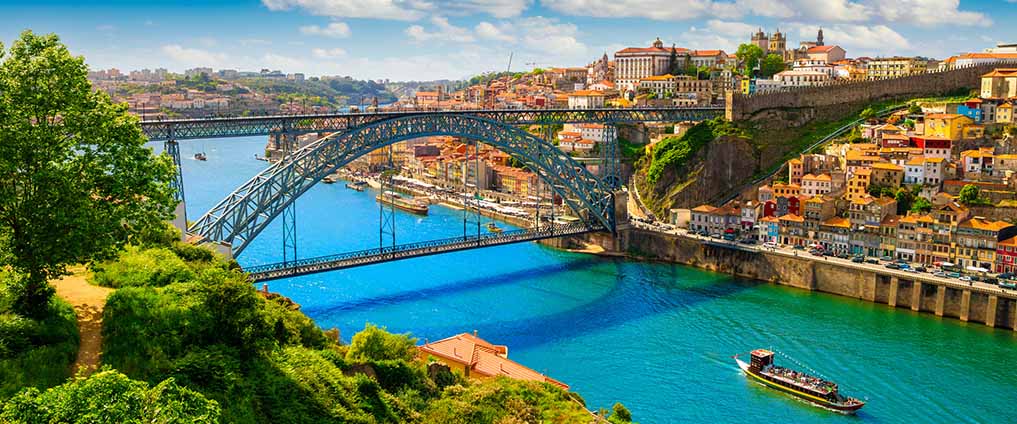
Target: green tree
[(749, 55), (620, 414), (921, 205), (76, 180), (969, 194), (904, 199), (111, 397), (771, 65), (914, 109), (376, 344), (235, 312), (674, 68)]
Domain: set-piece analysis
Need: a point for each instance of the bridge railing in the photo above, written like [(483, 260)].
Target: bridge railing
[(479, 240)]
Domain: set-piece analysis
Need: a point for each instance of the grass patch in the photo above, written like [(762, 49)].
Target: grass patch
[(35, 353)]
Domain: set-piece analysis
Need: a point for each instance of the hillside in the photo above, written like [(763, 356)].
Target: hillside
[(187, 338)]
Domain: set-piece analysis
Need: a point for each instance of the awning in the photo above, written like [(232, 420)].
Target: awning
[(976, 269)]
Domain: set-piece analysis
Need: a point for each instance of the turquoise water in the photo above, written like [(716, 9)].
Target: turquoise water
[(656, 337)]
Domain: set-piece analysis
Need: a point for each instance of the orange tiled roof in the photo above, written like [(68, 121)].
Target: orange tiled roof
[(792, 217), (838, 222), (887, 166), (820, 49), (586, 93), (704, 208), (483, 358), (984, 224)]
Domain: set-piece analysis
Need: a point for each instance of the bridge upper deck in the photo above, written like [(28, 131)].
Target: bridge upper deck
[(183, 129)]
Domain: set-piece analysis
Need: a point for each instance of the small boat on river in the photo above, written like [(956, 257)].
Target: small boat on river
[(494, 228), (357, 185), (330, 179), (815, 390), (407, 204), (200, 156)]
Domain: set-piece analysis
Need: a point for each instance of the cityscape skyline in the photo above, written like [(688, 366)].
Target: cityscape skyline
[(323, 37)]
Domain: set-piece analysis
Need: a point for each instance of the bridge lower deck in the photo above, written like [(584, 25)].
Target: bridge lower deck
[(411, 250)]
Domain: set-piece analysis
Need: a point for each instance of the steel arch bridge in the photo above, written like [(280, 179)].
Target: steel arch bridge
[(245, 212), (185, 129)]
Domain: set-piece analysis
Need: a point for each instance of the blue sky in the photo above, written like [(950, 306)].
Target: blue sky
[(430, 39)]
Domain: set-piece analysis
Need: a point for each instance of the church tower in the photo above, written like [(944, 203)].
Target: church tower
[(760, 40), (778, 43), (819, 37)]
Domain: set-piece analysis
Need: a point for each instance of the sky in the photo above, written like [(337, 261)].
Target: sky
[(444, 39)]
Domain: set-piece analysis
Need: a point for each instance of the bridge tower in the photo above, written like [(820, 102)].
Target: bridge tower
[(172, 148), (610, 162), (387, 216)]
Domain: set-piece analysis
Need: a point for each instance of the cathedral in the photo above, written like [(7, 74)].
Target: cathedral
[(777, 44)]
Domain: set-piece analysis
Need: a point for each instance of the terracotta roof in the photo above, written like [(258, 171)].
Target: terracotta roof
[(1002, 72), (586, 93), (483, 358), (820, 177), (792, 217), (984, 224), (820, 49), (887, 166), (838, 222), (708, 53), (1012, 241), (650, 50), (704, 208)]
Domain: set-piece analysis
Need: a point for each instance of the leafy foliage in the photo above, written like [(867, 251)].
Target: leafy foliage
[(749, 55), (138, 267), (503, 400), (674, 152), (921, 205), (111, 397), (770, 65), (376, 344), (34, 352), (970, 195), (76, 180)]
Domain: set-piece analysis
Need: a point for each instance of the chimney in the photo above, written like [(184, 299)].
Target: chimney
[(474, 333)]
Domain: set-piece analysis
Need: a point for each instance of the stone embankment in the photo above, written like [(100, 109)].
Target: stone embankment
[(920, 292)]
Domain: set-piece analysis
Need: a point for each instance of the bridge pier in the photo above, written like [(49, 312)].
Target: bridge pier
[(894, 288), (990, 310), (916, 295), (940, 300), (965, 305), (172, 148)]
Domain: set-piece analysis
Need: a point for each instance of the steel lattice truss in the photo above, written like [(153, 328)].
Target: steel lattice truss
[(243, 214), (184, 129), (411, 250)]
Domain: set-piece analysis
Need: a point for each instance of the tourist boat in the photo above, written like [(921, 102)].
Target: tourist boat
[(406, 204), (357, 185), (815, 390), (494, 228), (329, 179), (200, 156)]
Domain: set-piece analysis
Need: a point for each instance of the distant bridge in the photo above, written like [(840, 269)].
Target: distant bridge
[(186, 129)]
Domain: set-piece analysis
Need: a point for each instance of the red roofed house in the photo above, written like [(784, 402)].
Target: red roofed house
[(635, 63), (828, 54), (477, 358)]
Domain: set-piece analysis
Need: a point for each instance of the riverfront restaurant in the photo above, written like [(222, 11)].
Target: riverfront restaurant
[(477, 358)]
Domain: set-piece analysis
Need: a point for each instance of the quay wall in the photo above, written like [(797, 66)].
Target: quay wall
[(917, 292)]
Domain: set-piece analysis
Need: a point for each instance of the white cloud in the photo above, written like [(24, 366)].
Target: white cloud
[(379, 9), (920, 12), (403, 10), (929, 12), (191, 57), (549, 35), (208, 41), (286, 63), (334, 53), (717, 34), (859, 40), (333, 30), (489, 31), (444, 31)]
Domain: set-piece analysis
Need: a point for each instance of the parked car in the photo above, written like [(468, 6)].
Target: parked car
[(715, 235), (1007, 276), (843, 255), (892, 265), (940, 274), (770, 245), (858, 259), (886, 258), (747, 241), (1010, 286), (872, 261), (729, 237), (817, 252), (799, 247), (953, 274), (965, 278), (920, 268)]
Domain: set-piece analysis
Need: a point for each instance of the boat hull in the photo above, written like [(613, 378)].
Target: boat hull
[(419, 210), (837, 407)]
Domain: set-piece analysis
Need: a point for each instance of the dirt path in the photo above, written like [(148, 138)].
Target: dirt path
[(88, 302)]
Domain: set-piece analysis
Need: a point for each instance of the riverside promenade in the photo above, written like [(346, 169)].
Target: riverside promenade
[(920, 292)]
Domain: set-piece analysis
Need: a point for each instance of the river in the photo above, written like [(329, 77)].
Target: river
[(657, 337)]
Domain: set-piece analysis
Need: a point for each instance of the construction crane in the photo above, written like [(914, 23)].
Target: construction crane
[(509, 68)]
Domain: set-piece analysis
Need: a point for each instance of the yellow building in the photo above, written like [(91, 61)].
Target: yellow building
[(886, 174), (999, 84), (858, 185), (946, 125), (1004, 114), (894, 67)]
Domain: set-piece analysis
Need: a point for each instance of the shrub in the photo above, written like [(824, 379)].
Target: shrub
[(137, 267), (376, 344), (111, 397), (35, 352), (503, 400), (675, 152)]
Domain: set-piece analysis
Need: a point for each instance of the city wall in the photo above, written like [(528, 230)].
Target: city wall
[(832, 101), (917, 292)]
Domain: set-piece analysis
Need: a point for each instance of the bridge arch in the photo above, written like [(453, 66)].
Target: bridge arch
[(245, 212)]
